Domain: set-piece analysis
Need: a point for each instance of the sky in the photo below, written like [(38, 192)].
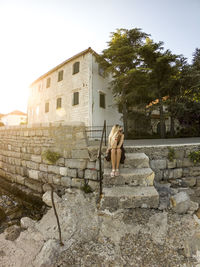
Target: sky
[(37, 35)]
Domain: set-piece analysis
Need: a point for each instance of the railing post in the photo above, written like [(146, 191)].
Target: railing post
[(105, 130)]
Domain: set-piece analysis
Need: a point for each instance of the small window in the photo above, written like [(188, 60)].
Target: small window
[(76, 67), (101, 71), (59, 103), (102, 100), (48, 82), (60, 75), (46, 107), (75, 98)]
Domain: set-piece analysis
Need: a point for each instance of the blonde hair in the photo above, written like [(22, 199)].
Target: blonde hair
[(113, 133)]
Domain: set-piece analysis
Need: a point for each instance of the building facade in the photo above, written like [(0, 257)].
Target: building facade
[(15, 117), (75, 90)]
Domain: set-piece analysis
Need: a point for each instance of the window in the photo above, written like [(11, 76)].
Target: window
[(102, 100), (59, 103), (60, 75), (46, 107), (75, 98), (48, 82), (76, 67), (101, 71)]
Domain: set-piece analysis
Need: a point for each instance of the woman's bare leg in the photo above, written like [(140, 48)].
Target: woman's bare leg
[(113, 158), (119, 152)]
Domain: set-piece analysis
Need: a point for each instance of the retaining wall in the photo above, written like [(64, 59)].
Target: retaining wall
[(181, 171), (22, 163)]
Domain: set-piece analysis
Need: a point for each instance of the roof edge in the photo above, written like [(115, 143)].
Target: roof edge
[(88, 50)]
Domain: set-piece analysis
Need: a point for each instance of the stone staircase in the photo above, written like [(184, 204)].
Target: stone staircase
[(133, 188)]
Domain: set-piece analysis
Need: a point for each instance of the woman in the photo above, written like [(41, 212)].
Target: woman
[(115, 150)]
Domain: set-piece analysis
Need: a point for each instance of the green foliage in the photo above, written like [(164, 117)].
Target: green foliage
[(195, 156), (171, 154), (86, 188), (51, 156)]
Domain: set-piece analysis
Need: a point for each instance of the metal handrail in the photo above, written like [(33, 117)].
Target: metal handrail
[(99, 156)]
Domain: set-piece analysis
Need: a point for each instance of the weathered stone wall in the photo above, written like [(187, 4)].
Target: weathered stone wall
[(181, 171), (21, 159)]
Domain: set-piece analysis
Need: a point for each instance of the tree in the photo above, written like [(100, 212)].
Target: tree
[(161, 70), (122, 59)]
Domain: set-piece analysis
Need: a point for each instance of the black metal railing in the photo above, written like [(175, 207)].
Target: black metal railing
[(99, 157), (94, 133)]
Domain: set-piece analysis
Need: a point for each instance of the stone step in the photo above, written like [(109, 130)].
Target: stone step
[(133, 160), (121, 197), (129, 176)]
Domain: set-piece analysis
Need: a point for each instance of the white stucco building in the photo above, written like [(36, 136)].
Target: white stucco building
[(15, 117), (75, 90)]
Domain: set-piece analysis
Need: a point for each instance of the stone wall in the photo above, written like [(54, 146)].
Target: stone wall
[(181, 171), (22, 163)]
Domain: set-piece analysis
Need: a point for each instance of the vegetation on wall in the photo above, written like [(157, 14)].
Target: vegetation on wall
[(51, 156), (171, 154), (195, 156)]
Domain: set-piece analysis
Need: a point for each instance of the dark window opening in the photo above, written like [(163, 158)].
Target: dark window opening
[(59, 103), (48, 83), (75, 98), (60, 75), (102, 100), (76, 67), (46, 107)]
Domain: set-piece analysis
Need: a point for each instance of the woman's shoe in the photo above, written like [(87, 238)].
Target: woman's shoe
[(117, 172), (112, 174)]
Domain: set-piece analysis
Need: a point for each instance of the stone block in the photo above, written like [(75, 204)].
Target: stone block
[(80, 173), (186, 172), (91, 174), (179, 154), (171, 164), (34, 185), (91, 165), (77, 182), (76, 163), (158, 164), (194, 171), (63, 171), (33, 174), (56, 179), (179, 163), (189, 181), (180, 203), (17, 162), (71, 172), (192, 245), (80, 154), (66, 181), (20, 179), (43, 176), (37, 150), (43, 167), (94, 185), (54, 169), (36, 158), (61, 162), (187, 162), (46, 187), (32, 165), (178, 172), (198, 181), (47, 198)]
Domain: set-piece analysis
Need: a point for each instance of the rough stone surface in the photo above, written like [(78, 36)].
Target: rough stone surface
[(47, 198), (133, 237), (180, 203)]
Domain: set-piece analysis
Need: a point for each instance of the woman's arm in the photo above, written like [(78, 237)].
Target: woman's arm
[(121, 141)]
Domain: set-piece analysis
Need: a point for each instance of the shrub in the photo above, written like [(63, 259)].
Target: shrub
[(195, 156), (171, 154), (51, 156)]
